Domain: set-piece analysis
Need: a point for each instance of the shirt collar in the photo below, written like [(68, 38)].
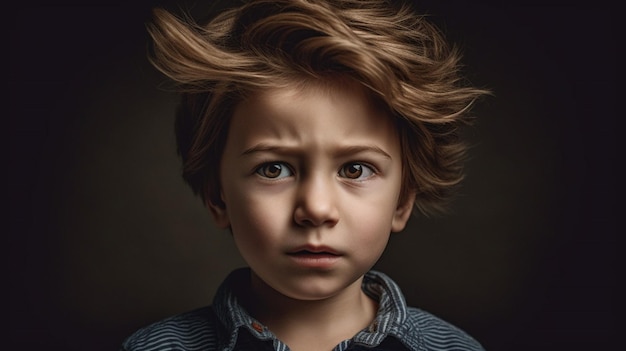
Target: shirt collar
[(390, 318)]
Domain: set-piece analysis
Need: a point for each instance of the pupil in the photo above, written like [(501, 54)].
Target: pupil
[(273, 170), (354, 170)]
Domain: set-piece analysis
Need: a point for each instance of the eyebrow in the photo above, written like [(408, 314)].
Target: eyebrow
[(339, 152)]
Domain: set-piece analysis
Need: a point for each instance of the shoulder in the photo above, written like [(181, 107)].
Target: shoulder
[(193, 330), (437, 334)]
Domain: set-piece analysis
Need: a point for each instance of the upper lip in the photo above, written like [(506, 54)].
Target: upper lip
[(314, 249)]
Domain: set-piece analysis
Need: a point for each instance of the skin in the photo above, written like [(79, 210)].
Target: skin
[(311, 178)]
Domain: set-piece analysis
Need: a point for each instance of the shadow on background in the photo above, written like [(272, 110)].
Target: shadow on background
[(105, 238)]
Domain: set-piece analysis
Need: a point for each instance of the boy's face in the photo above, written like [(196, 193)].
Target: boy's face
[(311, 179)]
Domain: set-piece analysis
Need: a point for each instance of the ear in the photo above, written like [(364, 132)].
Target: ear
[(403, 213), (219, 213)]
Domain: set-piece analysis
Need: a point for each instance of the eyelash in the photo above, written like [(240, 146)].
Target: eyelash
[(284, 167), (362, 168)]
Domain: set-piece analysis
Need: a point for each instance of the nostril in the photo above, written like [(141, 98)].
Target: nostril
[(304, 222), (307, 218), (307, 215)]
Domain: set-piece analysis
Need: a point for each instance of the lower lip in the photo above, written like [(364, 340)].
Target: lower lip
[(311, 260)]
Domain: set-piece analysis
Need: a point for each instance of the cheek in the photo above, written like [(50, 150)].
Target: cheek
[(371, 225), (257, 208), (256, 220), (373, 218), (377, 210), (252, 231)]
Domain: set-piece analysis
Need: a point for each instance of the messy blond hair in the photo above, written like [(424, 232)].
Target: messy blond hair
[(401, 58)]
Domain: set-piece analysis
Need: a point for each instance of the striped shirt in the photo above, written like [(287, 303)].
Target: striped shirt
[(225, 326)]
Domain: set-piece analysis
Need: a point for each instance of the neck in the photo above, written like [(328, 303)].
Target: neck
[(325, 321)]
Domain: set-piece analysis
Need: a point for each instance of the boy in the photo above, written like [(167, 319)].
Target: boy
[(311, 130)]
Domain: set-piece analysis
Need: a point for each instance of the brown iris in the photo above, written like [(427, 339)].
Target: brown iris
[(352, 170), (271, 170)]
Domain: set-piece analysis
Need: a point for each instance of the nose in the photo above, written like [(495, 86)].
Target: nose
[(316, 202)]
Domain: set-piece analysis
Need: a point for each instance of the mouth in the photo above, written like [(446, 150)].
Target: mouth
[(315, 257), (312, 254), (314, 251)]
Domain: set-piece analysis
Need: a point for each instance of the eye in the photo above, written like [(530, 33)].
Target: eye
[(356, 170), (274, 170)]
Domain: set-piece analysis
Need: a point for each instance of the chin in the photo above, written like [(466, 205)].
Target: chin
[(313, 289)]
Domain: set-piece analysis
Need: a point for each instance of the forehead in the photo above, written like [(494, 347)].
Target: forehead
[(312, 116), (338, 91)]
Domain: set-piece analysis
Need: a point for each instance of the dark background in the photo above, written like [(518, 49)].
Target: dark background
[(105, 238)]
